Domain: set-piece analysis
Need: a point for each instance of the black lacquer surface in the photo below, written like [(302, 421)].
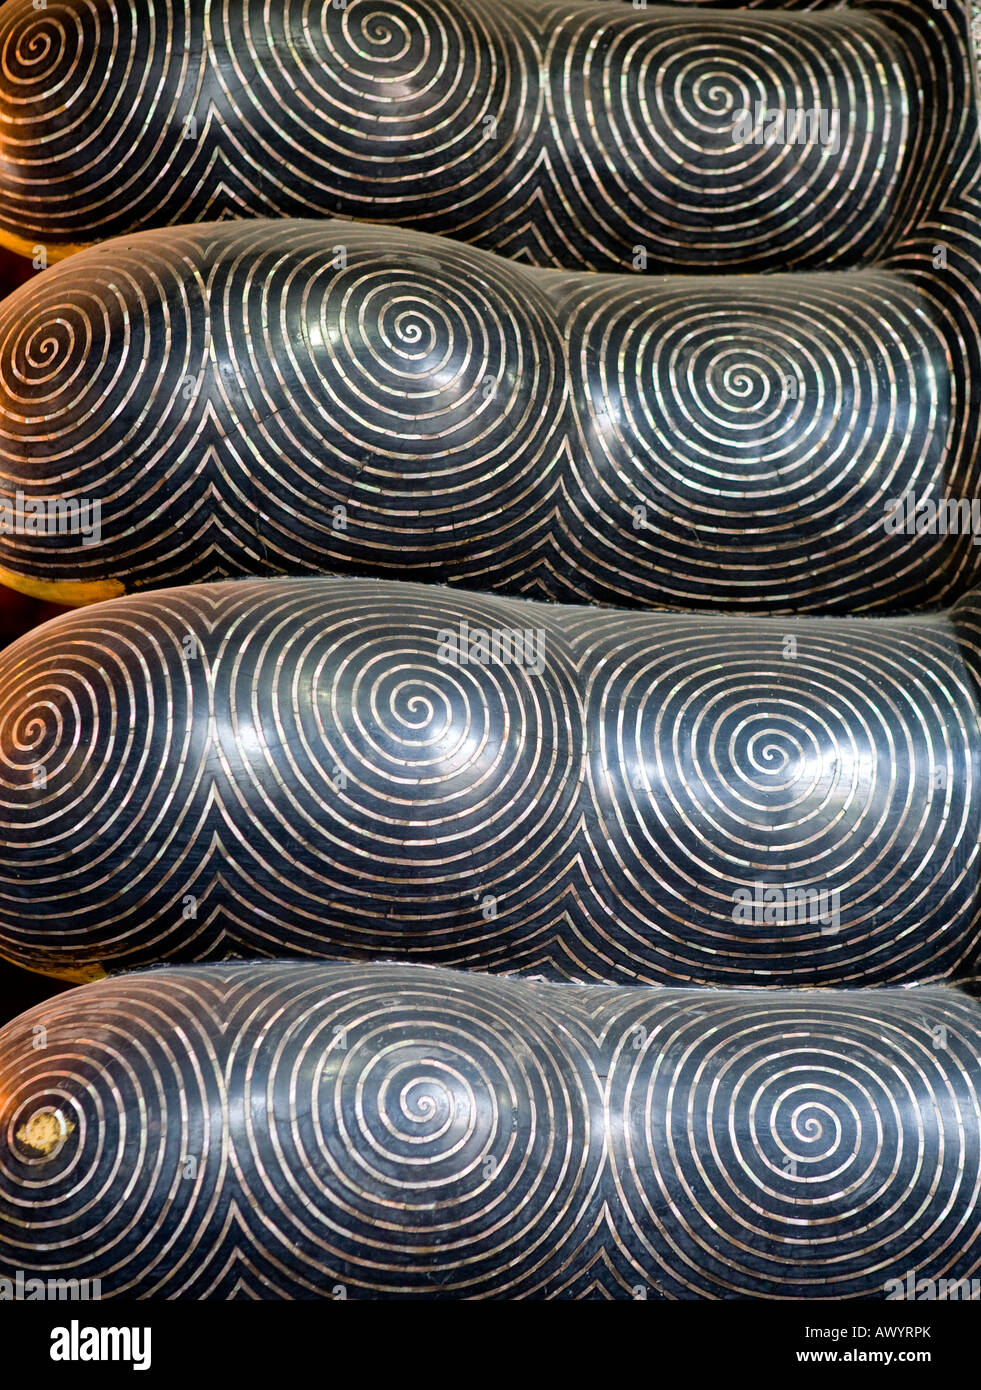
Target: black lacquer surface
[(368, 769), (573, 134), (302, 397), (308, 1131)]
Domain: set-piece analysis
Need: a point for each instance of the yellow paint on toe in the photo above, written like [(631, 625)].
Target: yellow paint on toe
[(74, 974), (27, 246), (80, 975), (44, 1131), (76, 593)]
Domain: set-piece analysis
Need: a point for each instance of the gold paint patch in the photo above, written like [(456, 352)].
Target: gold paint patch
[(76, 593), (45, 1131)]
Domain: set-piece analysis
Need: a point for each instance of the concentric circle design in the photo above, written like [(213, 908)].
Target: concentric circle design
[(308, 397), (827, 759), (289, 1130), (366, 769), (436, 1142), (569, 135), (739, 443), (135, 1096), (792, 1147), (91, 768)]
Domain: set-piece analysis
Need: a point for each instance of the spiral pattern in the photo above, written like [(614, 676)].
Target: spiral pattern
[(411, 382), (135, 1099), (399, 783), (568, 135), (77, 373), (327, 767), (293, 398), (437, 1143), (790, 1146), (408, 107), (834, 758), (315, 1131), (740, 443), (689, 79), (149, 759), (103, 88)]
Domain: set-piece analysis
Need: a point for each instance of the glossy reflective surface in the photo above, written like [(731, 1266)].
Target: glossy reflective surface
[(354, 768), (305, 1131), (568, 133), (295, 397)]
